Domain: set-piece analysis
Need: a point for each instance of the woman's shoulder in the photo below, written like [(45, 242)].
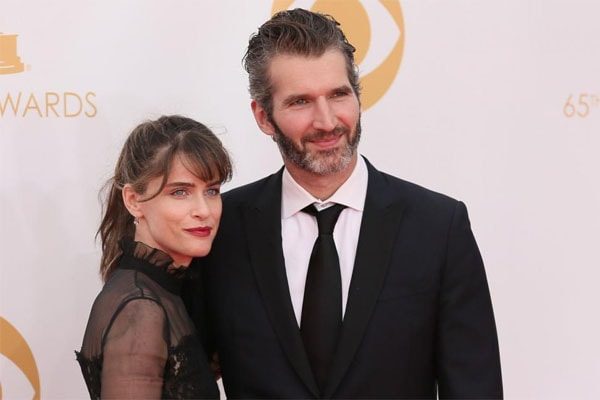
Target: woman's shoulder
[(122, 287), (125, 294)]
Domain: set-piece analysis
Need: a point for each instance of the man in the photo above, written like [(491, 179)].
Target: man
[(395, 306)]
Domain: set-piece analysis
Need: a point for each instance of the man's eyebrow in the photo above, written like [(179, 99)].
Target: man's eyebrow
[(343, 88), (292, 98)]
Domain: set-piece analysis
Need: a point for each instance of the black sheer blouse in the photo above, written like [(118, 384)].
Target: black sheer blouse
[(140, 341)]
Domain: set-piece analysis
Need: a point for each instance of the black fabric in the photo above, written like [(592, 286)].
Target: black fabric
[(418, 323), (140, 307), (322, 305)]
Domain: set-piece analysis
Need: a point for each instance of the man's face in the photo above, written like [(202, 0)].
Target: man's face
[(316, 115)]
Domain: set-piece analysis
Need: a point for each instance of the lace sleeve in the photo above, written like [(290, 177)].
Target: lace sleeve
[(135, 352)]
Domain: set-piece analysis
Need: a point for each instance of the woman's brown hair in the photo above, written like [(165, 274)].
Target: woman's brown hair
[(148, 153)]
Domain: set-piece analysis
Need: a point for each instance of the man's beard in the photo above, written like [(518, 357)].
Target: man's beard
[(319, 162)]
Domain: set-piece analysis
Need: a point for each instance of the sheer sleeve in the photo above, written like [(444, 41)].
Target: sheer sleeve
[(135, 352)]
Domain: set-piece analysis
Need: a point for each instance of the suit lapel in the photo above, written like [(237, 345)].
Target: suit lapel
[(262, 223), (378, 233)]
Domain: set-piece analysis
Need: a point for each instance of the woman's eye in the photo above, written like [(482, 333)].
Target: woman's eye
[(179, 192), (213, 192)]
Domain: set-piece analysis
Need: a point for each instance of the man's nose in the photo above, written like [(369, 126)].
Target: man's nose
[(324, 116)]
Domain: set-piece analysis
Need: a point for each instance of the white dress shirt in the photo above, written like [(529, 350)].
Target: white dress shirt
[(299, 230)]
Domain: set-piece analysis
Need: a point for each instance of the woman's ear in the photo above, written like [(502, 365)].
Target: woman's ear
[(131, 199)]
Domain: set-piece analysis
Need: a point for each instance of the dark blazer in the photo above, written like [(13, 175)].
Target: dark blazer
[(418, 320)]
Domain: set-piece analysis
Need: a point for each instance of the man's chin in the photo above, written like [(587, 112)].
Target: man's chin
[(327, 162), (313, 158)]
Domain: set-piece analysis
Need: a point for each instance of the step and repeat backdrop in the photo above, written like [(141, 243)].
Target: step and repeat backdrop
[(496, 103)]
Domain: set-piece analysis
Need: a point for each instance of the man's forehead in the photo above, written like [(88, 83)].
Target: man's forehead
[(295, 72), (289, 57)]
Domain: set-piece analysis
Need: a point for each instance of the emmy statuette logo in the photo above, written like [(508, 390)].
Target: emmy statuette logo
[(14, 347), (356, 24), (10, 63), (36, 103)]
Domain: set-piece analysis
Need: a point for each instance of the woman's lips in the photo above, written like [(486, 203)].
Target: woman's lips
[(201, 231)]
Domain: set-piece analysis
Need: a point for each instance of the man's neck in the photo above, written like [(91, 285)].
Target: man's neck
[(321, 186)]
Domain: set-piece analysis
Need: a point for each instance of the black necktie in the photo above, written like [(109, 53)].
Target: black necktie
[(322, 306)]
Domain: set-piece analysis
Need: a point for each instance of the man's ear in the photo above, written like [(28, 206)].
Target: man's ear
[(262, 119), (131, 199)]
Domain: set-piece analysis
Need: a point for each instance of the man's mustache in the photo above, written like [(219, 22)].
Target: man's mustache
[(324, 135)]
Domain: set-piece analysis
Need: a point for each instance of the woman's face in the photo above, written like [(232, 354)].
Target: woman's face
[(182, 219)]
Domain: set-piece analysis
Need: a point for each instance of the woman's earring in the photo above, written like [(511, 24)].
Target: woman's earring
[(136, 221)]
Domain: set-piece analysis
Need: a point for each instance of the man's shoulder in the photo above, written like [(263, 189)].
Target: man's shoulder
[(409, 192), (430, 208)]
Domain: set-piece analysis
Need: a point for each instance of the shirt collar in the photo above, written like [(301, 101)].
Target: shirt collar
[(352, 193)]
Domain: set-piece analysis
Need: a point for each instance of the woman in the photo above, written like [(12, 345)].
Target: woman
[(163, 209)]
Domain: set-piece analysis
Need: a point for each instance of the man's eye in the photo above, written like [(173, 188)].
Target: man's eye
[(340, 93), (299, 102)]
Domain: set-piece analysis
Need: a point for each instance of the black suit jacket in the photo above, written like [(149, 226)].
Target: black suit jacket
[(419, 317)]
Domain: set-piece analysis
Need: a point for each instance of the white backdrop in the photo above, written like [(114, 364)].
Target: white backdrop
[(496, 103)]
